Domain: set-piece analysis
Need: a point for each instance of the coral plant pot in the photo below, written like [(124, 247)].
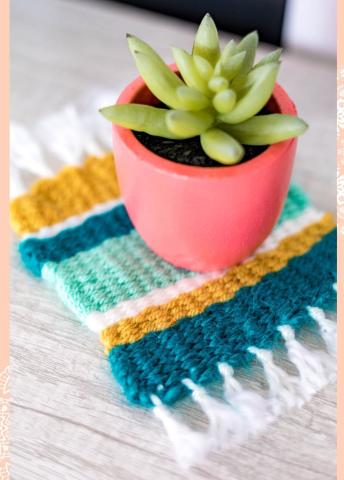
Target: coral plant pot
[(202, 218)]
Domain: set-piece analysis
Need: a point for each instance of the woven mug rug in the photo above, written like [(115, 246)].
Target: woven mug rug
[(170, 333)]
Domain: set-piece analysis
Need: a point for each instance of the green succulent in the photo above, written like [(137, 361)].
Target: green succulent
[(217, 96)]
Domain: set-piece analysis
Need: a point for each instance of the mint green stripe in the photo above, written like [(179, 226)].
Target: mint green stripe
[(120, 269), (296, 202), (124, 268)]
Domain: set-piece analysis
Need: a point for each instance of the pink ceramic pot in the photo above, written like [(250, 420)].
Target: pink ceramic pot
[(202, 218)]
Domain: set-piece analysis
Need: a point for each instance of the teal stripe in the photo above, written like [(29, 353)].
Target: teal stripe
[(123, 268), (35, 252), (120, 269), (193, 347)]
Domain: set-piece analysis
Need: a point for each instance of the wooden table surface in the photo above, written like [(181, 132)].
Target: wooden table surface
[(69, 420)]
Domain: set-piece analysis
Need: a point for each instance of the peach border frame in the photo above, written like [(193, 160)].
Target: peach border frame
[(4, 251), (340, 218), (4, 232)]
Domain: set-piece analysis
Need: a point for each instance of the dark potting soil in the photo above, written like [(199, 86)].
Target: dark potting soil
[(189, 151)]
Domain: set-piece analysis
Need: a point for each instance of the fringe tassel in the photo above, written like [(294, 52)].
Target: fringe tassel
[(243, 413), (17, 184), (188, 444), (67, 125), (224, 421), (327, 329), (311, 365), (282, 386), (88, 107), (62, 138), (252, 407), (25, 157), (25, 152)]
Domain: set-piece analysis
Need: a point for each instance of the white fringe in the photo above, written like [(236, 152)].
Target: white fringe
[(243, 413), (327, 329), (92, 120), (282, 387), (17, 183), (188, 444), (310, 364), (62, 138), (224, 420), (26, 156), (252, 407), (25, 152)]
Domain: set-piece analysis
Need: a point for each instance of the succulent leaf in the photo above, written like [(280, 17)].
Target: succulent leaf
[(136, 44), (224, 101), (216, 84), (206, 42), (188, 70), (160, 80), (221, 146), (266, 129), (204, 68), (189, 124), (216, 95), (256, 75), (142, 118), (231, 66), (270, 57), (260, 82), (248, 45), (192, 99), (228, 50)]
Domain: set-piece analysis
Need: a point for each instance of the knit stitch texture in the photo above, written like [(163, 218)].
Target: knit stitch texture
[(160, 324)]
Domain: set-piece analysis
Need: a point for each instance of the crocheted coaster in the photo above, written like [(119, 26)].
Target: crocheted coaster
[(170, 332)]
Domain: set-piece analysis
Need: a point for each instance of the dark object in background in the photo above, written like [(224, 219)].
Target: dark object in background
[(235, 16)]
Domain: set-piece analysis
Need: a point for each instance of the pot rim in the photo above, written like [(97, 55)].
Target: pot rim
[(263, 160)]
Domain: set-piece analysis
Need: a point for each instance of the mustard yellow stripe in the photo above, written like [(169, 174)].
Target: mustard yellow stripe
[(72, 192), (157, 318)]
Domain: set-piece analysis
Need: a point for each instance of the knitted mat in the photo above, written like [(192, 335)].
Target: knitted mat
[(170, 333)]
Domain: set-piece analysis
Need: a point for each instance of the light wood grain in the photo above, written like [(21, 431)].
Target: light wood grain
[(69, 419)]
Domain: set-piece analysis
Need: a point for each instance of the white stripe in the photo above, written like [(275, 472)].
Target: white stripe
[(97, 321), (47, 232)]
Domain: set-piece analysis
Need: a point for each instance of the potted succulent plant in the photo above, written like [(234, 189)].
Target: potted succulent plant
[(204, 149)]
